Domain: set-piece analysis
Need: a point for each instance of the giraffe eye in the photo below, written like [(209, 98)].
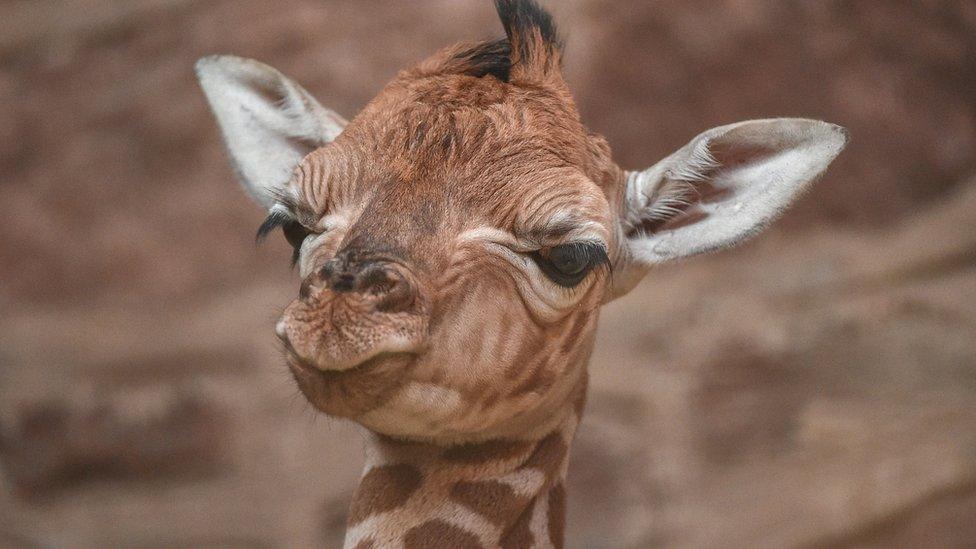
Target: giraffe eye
[(568, 264), (295, 234)]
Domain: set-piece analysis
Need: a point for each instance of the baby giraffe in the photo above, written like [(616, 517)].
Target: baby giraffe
[(455, 242)]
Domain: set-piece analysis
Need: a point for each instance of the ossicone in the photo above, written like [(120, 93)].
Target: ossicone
[(536, 49)]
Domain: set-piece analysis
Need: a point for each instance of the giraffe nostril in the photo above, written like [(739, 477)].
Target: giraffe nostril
[(328, 270), (376, 279), (338, 274), (342, 283), (394, 290)]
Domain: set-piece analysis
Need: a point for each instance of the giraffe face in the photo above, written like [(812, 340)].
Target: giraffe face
[(456, 238), (452, 266)]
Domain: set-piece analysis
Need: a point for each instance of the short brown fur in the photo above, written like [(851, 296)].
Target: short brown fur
[(455, 243)]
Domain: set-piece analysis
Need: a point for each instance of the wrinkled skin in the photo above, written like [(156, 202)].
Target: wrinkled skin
[(444, 187), (456, 241), (457, 238)]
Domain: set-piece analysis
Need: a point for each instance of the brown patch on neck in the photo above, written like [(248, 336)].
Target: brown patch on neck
[(491, 499), (384, 488), (487, 451), (437, 534), (519, 534), (548, 455), (557, 515)]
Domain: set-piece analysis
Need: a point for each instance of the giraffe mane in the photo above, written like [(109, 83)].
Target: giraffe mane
[(532, 46)]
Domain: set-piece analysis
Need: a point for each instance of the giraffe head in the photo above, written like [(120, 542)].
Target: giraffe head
[(457, 238)]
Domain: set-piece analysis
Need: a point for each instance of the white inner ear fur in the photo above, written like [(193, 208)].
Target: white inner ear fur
[(269, 123), (724, 186)]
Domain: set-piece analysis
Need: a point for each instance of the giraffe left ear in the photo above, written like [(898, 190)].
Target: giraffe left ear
[(724, 186), (268, 121)]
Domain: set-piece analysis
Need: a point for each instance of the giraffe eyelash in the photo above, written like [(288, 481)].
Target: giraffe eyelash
[(582, 257), (277, 218), (295, 232), (287, 210)]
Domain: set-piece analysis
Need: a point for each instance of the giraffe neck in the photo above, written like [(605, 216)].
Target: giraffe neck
[(499, 493)]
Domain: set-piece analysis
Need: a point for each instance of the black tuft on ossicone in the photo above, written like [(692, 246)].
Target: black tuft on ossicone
[(487, 58), (520, 18), (532, 42)]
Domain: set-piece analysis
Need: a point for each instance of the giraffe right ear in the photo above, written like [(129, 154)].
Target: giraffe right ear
[(269, 123), (723, 187)]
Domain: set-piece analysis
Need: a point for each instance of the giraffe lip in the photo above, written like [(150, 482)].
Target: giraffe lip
[(305, 368), (297, 361), (316, 341), (337, 365), (357, 390)]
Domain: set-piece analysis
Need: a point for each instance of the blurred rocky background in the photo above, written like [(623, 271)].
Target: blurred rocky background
[(814, 388)]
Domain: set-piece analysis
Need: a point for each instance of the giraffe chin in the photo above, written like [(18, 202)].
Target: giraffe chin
[(354, 391)]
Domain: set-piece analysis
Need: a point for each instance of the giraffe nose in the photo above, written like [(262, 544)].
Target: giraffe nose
[(383, 282), (341, 274)]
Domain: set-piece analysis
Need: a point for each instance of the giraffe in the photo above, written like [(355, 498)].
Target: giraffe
[(455, 242)]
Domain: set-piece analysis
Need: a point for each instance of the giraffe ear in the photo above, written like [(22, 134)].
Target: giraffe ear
[(269, 123), (724, 186)]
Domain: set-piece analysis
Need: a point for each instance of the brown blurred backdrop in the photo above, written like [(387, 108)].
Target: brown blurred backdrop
[(816, 387)]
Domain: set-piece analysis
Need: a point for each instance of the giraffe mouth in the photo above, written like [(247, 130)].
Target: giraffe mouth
[(337, 332), (353, 391), (347, 355), (304, 367)]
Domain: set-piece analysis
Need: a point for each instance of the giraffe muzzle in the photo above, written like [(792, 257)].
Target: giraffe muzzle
[(347, 315)]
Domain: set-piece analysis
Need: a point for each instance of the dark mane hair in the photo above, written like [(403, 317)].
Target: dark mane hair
[(532, 44), (492, 57), (530, 30)]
